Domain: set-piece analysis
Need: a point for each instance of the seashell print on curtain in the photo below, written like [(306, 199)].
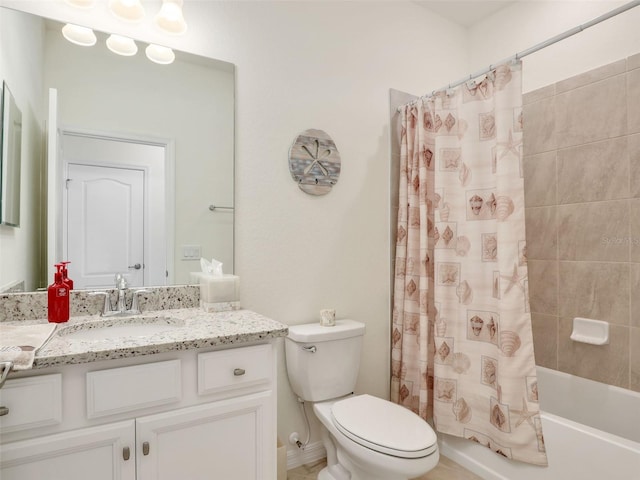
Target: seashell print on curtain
[(462, 347)]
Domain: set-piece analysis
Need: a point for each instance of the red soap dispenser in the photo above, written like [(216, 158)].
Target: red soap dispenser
[(65, 274), (58, 299)]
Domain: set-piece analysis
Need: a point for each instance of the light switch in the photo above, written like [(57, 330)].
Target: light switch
[(191, 252)]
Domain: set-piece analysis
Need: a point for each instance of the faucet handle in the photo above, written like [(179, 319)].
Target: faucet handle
[(135, 308), (106, 308)]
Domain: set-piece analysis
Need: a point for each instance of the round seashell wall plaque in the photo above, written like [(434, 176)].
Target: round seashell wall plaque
[(314, 162)]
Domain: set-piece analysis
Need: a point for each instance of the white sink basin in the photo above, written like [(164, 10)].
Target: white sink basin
[(113, 328)]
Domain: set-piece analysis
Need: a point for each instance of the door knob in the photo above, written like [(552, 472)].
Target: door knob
[(137, 266)]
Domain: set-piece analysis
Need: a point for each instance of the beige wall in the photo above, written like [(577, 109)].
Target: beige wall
[(582, 189)]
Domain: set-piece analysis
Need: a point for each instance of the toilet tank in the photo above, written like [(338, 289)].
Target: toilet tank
[(323, 362)]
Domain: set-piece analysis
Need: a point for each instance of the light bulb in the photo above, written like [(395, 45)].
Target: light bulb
[(79, 35), (161, 55), (122, 45), (170, 18), (127, 10)]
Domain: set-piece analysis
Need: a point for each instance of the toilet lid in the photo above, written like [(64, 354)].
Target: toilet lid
[(384, 427)]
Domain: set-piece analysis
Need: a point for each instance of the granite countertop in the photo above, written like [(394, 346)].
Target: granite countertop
[(187, 328)]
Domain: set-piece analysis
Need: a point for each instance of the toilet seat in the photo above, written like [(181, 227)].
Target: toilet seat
[(383, 426)]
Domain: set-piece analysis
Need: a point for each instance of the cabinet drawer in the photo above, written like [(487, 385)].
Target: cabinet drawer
[(33, 402), (119, 390), (234, 368)]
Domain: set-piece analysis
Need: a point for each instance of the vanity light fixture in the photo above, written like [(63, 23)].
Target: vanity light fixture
[(127, 10), (80, 3), (122, 45), (159, 54), (79, 35), (170, 18)]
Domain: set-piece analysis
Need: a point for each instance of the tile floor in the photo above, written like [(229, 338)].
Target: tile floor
[(446, 470)]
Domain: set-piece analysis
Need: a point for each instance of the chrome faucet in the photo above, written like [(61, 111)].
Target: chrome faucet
[(121, 305), (121, 285)]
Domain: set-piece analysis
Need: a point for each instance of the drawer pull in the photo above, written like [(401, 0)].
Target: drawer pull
[(4, 411), (126, 453), (145, 448), (238, 372)]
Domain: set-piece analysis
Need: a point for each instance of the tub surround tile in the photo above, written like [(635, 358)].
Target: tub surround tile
[(634, 369), (593, 231), (545, 340), (595, 290), (603, 363), (539, 94), (592, 172), (539, 126), (540, 179), (593, 190), (634, 230), (594, 112), (634, 280), (543, 286), (592, 76), (633, 94), (633, 142), (541, 231)]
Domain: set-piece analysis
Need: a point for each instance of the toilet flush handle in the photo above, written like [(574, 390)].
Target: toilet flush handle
[(309, 348)]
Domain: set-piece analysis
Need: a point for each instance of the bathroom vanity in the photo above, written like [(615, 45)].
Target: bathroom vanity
[(196, 401)]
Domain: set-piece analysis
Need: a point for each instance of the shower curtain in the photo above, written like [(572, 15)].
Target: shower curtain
[(462, 349)]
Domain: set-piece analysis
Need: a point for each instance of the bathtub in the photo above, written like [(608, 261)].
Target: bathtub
[(591, 432)]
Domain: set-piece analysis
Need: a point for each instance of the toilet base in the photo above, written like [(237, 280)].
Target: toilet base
[(334, 472)]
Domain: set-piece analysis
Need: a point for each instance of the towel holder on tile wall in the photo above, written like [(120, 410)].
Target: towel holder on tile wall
[(213, 208)]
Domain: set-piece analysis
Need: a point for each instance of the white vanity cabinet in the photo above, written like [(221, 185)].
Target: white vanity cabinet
[(187, 416), (90, 453)]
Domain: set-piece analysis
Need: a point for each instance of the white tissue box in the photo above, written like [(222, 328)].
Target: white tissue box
[(224, 289)]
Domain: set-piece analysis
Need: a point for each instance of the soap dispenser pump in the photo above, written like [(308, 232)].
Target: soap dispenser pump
[(58, 299), (65, 274)]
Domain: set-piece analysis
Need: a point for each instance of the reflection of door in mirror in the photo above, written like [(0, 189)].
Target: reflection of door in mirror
[(105, 219), (114, 206)]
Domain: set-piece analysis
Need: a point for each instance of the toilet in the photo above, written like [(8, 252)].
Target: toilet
[(366, 438)]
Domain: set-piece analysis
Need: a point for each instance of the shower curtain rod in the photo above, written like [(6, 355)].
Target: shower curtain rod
[(539, 46)]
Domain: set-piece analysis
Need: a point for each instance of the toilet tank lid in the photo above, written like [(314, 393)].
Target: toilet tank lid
[(314, 332)]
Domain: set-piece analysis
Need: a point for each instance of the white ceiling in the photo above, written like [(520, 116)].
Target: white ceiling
[(465, 12)]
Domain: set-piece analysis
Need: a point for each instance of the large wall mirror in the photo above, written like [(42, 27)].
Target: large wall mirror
[(149, 146)]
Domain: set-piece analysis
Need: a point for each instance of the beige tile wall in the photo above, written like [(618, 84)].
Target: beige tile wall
[(582, 196)]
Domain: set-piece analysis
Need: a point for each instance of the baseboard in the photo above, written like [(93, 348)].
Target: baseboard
[(311, 454)]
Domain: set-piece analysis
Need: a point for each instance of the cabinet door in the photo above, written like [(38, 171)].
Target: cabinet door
[(226, 440), (94, 453)]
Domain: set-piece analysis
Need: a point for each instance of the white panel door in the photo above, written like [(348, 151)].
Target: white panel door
[(97, 453), (225, 440), (105, 225)]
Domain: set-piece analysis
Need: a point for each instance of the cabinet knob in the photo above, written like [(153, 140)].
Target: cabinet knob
[(145, 448), (238, 372), (126, 453), (4, 411)]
